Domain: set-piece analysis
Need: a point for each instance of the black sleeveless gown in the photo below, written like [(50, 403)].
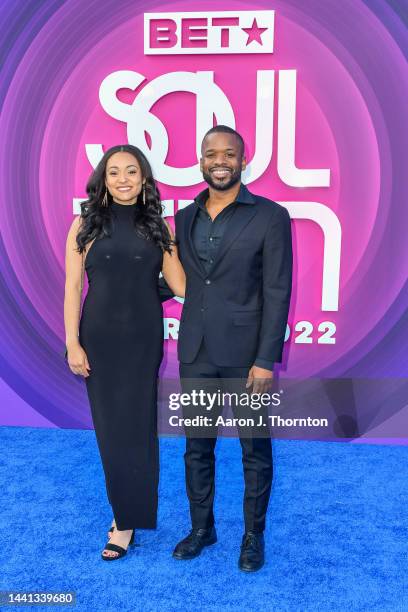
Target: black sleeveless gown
[(121, 331)]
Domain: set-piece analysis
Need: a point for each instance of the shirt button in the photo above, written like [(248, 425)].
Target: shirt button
[(211, 261), (207, 281), (202, 309), (211, 239)]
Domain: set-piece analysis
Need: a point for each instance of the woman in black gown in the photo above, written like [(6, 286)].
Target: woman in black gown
[(122, 242)]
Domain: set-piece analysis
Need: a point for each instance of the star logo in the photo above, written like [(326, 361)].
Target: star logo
[(254, 33)]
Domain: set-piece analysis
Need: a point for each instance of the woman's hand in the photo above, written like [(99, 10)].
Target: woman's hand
[(77, 360)]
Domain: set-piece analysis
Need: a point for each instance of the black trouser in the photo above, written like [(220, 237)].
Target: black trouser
[(199, 456)]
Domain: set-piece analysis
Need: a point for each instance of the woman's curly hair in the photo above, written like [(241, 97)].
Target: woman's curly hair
[(96, 218)]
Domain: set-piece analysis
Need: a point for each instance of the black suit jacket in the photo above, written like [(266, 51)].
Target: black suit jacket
[(241, 306)]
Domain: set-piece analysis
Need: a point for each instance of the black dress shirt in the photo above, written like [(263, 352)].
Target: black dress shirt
[(207, 234)]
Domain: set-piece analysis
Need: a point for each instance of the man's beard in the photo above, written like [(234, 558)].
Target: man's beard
[(235, 177)]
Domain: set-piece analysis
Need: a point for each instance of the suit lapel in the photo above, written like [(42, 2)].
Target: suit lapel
[(240, 218), (193, 210)]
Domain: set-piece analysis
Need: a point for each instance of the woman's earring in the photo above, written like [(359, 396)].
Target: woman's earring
[(144, 193), (105, 198)]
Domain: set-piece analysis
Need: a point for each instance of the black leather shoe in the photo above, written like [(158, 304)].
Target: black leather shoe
[(194, 543), (252, 556)]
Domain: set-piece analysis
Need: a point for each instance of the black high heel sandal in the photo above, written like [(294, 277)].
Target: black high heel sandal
[(111, 530), (116, 548)]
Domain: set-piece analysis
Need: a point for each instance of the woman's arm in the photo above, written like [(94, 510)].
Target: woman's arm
[(172, 270), (77, 359)]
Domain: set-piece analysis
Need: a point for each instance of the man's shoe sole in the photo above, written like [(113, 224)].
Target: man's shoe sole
[(184, 558), (249, 571)]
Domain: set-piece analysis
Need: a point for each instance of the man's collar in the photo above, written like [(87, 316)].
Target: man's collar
[(243, 197)]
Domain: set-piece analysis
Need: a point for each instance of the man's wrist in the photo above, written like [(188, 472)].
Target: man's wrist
[(265, 364)]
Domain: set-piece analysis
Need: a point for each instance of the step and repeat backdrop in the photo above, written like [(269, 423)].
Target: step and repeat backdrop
[(318, 90)]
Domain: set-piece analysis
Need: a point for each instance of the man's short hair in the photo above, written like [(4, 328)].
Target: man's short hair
[(224, 129)]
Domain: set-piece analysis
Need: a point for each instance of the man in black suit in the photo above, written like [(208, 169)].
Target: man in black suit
[(236, 251)]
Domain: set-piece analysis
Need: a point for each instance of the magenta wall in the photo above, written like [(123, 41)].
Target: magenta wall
[(351, 78)]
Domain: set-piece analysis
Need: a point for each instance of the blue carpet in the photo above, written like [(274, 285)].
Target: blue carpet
[(336, 538)]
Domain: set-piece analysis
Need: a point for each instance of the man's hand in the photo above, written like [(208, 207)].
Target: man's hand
[(260, 379)]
